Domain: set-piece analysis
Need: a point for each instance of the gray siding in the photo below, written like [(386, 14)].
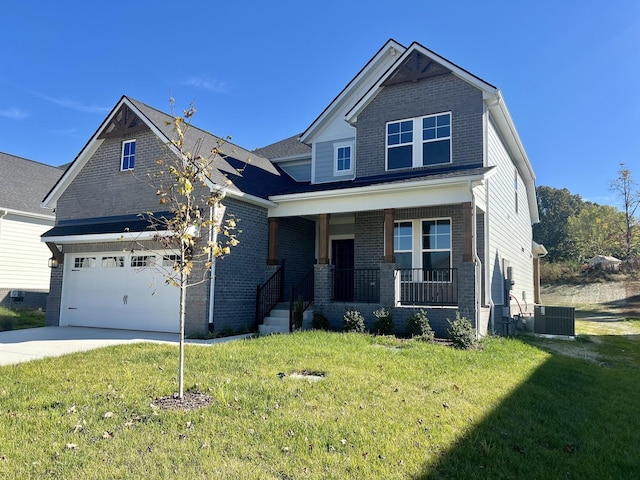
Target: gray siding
[(324, 165), (301, 172), (408, 100), (509, 230)]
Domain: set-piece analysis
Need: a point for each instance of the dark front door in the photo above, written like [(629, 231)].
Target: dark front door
[(342, 258)]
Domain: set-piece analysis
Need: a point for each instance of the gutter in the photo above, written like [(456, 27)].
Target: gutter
[(22, 213)]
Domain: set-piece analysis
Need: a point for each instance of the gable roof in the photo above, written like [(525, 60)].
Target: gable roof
[(493, 100), (290, 147), (238, 172), (24, 183)]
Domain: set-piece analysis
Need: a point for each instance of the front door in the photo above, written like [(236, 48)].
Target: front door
[(342, 258)]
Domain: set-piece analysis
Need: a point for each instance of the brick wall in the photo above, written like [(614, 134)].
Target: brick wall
[(296, 245), (237, 275), (407, 100), (100, 189)]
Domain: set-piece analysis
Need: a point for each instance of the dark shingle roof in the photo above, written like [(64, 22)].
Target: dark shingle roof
[(389, 178), (288, 147), (240, 170), (24, 183)]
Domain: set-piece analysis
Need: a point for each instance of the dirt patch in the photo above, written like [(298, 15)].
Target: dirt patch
[(312, 376), (189, 401)]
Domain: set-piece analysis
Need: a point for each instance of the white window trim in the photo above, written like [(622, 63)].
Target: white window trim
[(125, 142), (417, 142), (336, 147), (416, 240)]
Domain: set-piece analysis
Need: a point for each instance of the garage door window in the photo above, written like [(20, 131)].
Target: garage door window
[(138, 261), (112, 262), (84, 262)]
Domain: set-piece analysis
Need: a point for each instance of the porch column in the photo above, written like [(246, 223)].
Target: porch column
[(273, 241), (324, 239), (467, 232), (389, 220)]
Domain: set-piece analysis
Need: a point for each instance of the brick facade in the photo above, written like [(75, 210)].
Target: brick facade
[(444, 93)]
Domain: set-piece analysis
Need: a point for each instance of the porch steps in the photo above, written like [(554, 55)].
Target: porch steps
[(278, 320)]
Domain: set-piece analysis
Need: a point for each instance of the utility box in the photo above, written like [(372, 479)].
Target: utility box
[(555, 320)]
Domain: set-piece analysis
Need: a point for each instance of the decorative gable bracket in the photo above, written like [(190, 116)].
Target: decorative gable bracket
[(123, 123), (416, 67)]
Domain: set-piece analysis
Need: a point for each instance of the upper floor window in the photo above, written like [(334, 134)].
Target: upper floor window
[(128, 155), (418, 142), (343, 158)]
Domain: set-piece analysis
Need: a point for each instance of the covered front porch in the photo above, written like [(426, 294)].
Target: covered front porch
[(403, 259)]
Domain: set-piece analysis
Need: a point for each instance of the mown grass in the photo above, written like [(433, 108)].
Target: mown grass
[(16, 319), (386, 409)]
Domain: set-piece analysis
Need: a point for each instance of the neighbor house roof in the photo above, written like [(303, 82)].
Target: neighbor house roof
[(24, 183)]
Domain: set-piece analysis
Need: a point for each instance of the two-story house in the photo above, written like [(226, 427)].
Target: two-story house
[(410, 190)]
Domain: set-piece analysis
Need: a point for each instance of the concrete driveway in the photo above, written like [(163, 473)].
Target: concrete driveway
[(17, 346)]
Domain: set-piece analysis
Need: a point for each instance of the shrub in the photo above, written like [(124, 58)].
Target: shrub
[(319, 321), (353, 321), (6, 324), (298, 312), (384, 321), (462, 332), (419, 327)]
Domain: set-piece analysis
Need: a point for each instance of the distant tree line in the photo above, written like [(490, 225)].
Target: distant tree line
[(574, 230)]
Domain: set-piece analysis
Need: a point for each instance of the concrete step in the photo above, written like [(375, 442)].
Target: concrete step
[(270, 329), (276, 321)]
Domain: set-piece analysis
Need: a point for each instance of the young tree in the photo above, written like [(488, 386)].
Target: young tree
[(195, 228), (628, 192), (596, 230)]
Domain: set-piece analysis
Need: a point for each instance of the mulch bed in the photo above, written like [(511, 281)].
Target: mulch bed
[(192, 400)]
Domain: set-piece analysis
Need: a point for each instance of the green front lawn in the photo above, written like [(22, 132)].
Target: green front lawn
[(385, 409), (16, 319)]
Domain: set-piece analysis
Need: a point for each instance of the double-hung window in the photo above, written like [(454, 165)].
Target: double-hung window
[(343, 158), (418, 142), (128, 155), (423, 245)]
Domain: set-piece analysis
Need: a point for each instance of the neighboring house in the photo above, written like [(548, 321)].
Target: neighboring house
[(411, 190), (24, 274)]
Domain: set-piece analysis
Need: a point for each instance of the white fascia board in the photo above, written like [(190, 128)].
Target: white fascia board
[(90, 149), (376, 197), (252, 199), (293, 159), (348, 90), (352, 115), (105, 237), (39, 216)]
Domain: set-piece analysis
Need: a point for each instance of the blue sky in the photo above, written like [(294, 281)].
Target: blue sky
[(262, 71)]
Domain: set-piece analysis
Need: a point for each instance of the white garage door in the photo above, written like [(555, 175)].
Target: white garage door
[(119, 290)]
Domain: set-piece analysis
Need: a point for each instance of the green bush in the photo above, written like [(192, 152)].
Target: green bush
[(298, 312), (419, 327), (6, 324), (462, 332), (353, 321), (319, 321), (384, 321)]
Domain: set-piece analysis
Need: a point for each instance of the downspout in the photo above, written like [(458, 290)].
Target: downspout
[(213, 237), (476, 260), (487, 280)]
